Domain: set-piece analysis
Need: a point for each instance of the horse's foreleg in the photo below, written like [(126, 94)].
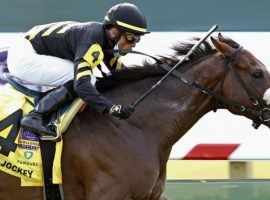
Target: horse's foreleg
[(162, 197), (159, 188)]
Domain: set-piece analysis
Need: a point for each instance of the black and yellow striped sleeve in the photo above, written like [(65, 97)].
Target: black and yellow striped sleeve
[(82, 80), (88, 60), (83, 68)]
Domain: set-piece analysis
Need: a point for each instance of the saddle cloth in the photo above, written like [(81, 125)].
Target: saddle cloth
[(20, 153)]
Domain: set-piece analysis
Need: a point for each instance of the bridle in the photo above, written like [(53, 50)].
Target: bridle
[(258, 114), (260, 105)]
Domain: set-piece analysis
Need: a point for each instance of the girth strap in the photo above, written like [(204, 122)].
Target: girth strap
[(51, 191)]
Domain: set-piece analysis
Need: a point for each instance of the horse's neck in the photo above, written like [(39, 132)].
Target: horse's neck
[(174, 107)]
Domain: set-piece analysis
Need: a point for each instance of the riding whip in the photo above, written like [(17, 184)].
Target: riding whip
[(143, 96)]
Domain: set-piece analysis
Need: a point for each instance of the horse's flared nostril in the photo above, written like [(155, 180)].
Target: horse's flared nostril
[(266, 96)]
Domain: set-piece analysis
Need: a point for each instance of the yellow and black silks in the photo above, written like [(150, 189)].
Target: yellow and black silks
[(19, 149)]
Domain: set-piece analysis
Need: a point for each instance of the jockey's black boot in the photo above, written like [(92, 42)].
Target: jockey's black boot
[(34, 121)]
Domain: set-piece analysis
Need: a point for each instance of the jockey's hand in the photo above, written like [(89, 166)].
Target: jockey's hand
[(121, 111)]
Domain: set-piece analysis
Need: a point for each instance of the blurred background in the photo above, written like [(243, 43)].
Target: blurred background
[(169, 15), (246, 173)]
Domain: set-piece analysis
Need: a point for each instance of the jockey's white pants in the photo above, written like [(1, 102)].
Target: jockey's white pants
[(24, 63)]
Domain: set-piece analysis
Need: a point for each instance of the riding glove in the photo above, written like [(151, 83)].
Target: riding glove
[(121, 111)]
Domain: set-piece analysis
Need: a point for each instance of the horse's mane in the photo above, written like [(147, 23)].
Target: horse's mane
[(182, 48), (148, 69), (128, 74)]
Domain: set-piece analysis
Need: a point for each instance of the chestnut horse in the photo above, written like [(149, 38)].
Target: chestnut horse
[(105, 158)]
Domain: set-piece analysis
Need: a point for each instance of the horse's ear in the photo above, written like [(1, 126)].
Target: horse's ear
[(220, 36), (228, 41), (223, 48)]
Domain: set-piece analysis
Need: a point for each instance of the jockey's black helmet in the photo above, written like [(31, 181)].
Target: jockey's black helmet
[(126, 17)]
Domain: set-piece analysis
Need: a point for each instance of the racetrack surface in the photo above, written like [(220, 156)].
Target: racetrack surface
[(218, 190)]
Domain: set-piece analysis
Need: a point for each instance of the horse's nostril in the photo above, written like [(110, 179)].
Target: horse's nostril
[(266, 96)]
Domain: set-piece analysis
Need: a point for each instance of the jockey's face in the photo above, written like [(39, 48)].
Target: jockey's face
[(128, 41)]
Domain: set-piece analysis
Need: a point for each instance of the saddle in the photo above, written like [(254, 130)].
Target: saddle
[(60, 118), (23, 151)]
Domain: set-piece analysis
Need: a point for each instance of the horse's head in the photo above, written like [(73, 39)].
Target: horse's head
[(245, 81)]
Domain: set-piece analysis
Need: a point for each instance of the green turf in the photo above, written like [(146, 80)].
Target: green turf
[(218, 190)]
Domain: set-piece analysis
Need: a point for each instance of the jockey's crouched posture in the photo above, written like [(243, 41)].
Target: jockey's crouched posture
[(64, 54)]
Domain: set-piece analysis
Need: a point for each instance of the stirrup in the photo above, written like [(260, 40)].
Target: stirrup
[(51, 138)]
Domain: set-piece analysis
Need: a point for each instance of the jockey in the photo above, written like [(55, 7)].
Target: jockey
[(64, 54)]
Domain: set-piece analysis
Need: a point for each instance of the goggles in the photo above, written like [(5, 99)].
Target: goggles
[(131, 38)]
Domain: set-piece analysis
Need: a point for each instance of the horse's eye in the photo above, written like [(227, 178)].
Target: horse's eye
[(258, 75)]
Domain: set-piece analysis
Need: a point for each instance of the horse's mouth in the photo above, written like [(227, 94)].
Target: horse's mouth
[(264, 119), (265, 115)]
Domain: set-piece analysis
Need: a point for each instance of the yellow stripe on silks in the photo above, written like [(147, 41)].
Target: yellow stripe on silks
[(83, 64), (34, 31), (119, 64), (84, 73), (136, 28), (51, 29), (64, 29), (94, 55), (112, 61)]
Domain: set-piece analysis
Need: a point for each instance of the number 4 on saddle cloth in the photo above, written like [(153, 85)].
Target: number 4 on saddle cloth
[(20, 153)]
